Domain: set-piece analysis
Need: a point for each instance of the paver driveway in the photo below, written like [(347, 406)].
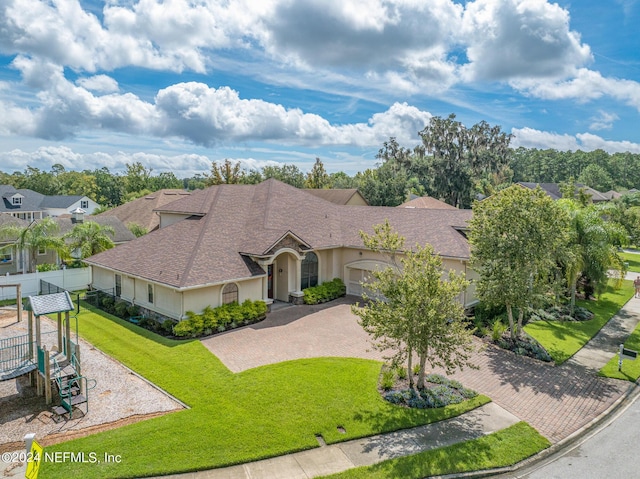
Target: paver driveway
[(292, 333), (557, 401)]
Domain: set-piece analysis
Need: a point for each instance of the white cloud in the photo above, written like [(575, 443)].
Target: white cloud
[(592, 142), (604, 121), (192, 111), (584, 86), (531, 138), (510, 39), (45, 157), (99, 83)]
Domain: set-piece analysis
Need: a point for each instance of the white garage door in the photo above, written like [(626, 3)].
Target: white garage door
[(356, 277)]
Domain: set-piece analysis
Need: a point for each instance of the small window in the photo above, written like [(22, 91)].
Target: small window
[(42, 251), (84, 204), (150, 293), (6, 257), (118, 285), (230, 293), (16, 200)]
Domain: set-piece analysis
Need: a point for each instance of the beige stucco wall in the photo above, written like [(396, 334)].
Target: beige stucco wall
[(197, 299), (167, 219), (357, 200), (102, 278)]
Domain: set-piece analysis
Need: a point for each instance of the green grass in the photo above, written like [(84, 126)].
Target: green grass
[(500, 449), (234, 418), (630, 368), (562, 339), (633, 260)]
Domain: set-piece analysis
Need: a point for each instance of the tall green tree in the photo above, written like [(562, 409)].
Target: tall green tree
[(458, 155), (516, 238), (39, 235), (89, 238), (416, 309), (317, 178), (138, 178), (227, 173), (287, 173)]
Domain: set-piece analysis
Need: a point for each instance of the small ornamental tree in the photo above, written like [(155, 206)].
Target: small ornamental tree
[(416, 309)]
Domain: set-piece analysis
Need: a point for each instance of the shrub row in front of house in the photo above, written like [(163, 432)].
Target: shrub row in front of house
[(216, 320), (325, 292), (126, 310)]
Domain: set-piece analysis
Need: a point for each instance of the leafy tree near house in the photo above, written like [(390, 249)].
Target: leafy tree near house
[(287, 173), (417, 309), (89, 238), (457, 156), (136, 229), (40, 234), (227, 173), (317, 178), (517, 238)]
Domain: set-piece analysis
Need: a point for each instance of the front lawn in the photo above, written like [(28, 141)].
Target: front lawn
[(562, 339), (633, 259), (499, 449), (234, 418)]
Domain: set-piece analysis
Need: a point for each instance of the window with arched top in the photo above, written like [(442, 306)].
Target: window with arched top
[(309, 276), (230, 293)]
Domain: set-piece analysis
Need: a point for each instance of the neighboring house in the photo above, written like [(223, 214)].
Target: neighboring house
[(553, 190), (10, 257), (13, 261), (267, 241), (612, 195), (346, 196), (30, 205), (427, 202), (141, 211)]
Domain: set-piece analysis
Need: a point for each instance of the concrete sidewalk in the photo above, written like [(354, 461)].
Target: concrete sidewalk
[(370, 450), (604, 345)]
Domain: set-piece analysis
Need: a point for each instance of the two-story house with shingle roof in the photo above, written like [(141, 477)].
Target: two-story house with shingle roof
[(267, 241), (30, 205)]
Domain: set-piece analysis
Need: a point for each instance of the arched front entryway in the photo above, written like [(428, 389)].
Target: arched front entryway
[(282, 277)]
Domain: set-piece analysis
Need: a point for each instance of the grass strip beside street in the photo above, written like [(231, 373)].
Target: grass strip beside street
[(630, 370), (499, 449), (234, 418), (562, 339)]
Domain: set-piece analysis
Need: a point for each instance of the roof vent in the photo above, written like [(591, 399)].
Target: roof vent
[(77, 215)]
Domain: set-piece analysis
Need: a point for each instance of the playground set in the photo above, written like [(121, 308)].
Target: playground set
[(55, 369)]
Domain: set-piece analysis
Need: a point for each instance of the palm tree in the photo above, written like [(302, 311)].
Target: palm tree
[(89, 238), (592, 251), (38, 235)]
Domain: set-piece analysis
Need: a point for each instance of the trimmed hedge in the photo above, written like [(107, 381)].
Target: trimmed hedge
[(325, 292), (217, 320)]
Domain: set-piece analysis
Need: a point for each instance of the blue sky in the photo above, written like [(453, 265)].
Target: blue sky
[(176, 84)]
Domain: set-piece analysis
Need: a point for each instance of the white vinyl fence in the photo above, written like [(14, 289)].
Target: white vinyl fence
[(69, 279)]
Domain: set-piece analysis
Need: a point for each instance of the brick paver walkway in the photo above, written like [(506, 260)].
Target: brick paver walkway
[(557, 401)]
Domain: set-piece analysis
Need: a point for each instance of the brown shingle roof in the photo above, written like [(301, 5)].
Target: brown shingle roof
[(427, 202), (231, 222), (141, 210)]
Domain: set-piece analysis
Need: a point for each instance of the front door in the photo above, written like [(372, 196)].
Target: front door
[(270, 281)]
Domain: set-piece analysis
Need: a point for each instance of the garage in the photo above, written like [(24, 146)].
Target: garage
[(358, 273)]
